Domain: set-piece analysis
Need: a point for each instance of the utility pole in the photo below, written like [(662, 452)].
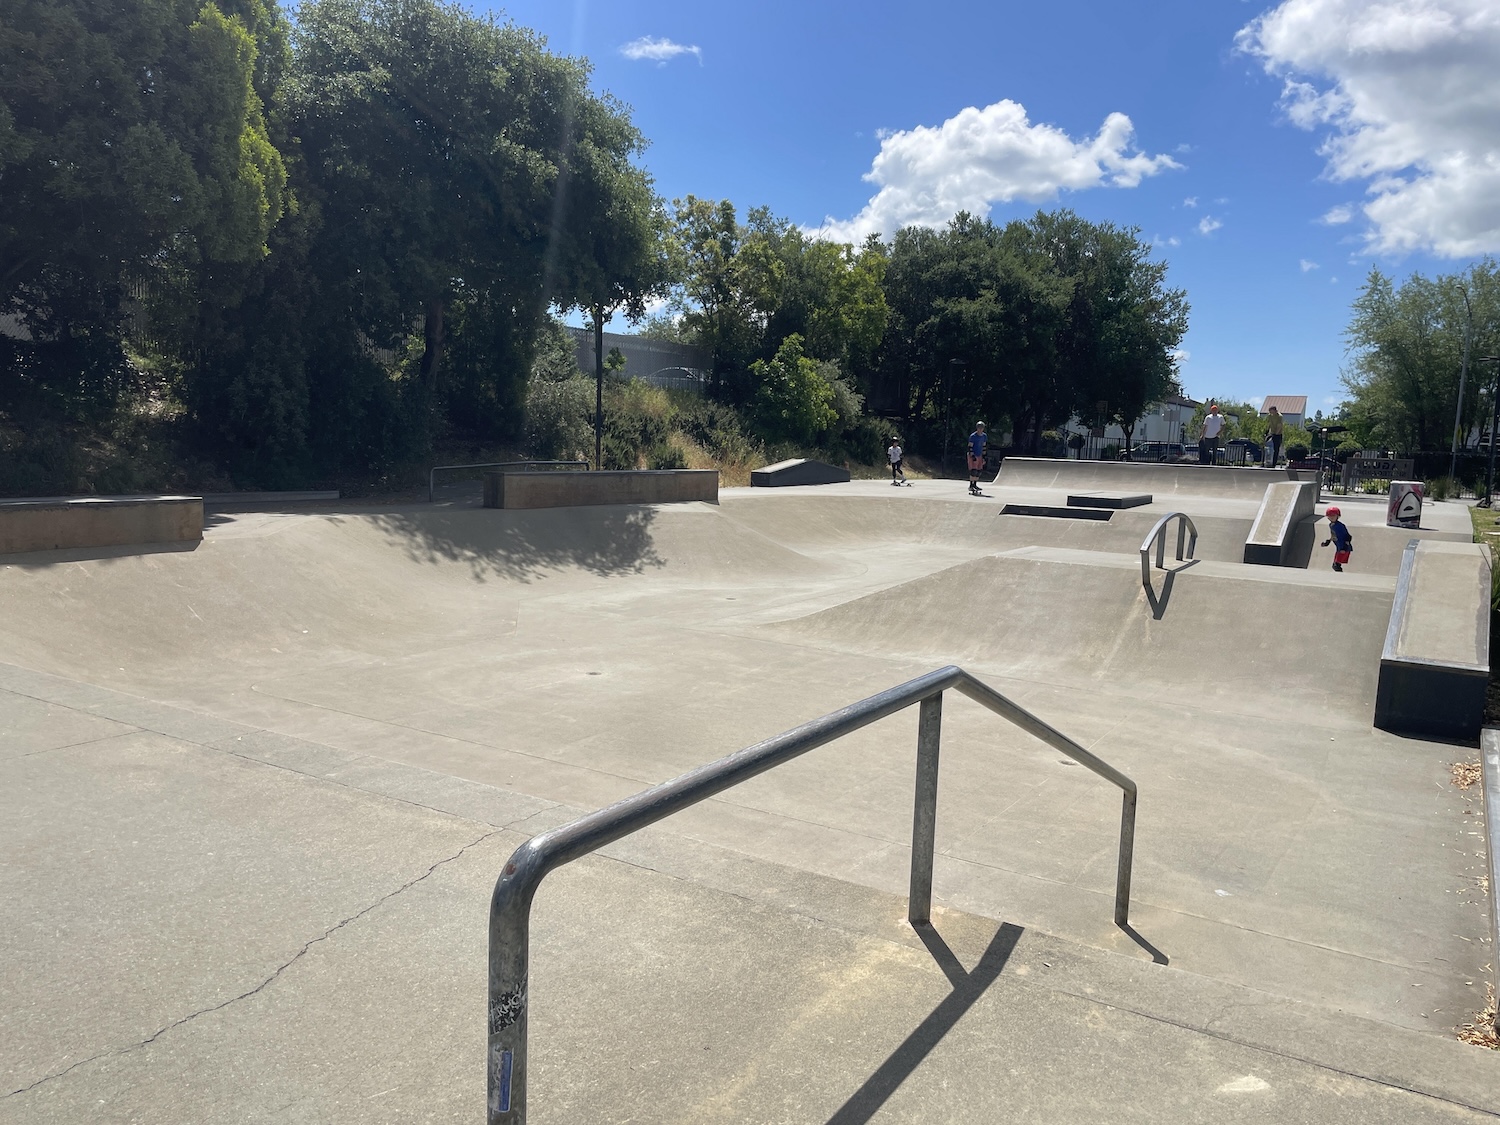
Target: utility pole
[(1489, 480), (598, 387), (1463, 376)]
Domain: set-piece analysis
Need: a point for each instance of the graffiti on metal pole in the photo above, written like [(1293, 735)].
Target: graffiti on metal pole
[(506, 1009)]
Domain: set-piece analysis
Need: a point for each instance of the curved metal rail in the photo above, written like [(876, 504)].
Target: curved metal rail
[(1158, 537), (510, 906), (433, 472)]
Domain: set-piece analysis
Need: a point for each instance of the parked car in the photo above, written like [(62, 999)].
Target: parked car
[(1155, 451)]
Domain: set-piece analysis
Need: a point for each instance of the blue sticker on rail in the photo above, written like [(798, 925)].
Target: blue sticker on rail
[(501, 1062)]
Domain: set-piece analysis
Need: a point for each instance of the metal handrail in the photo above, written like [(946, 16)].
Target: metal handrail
[(433, 472), (1158, 538), (510, 906)]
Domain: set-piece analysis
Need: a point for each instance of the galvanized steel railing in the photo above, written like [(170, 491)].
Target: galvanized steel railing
[(1158, 538), (510, 907), (433, 472)]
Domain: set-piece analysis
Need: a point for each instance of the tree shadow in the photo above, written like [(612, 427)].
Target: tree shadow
[(1159, 603), (525, 545), (968, 987)]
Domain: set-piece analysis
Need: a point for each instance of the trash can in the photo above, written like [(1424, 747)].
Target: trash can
[(1405, 509)]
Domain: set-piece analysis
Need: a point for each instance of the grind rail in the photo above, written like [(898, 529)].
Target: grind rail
[(510, 906), (436, 469), (1157, 537)]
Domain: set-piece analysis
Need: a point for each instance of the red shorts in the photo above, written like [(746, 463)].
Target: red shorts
[(1341, 557), (975, 463)]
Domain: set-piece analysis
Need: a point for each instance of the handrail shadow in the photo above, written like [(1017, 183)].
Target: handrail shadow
[(1159, 603), (968, 987)]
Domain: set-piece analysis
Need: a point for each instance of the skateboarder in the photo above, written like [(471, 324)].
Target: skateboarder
[(977, 441), (1275, 429), (1338, 535), (898, 475)]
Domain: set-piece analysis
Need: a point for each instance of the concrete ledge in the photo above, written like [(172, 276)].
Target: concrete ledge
[(226, 499), (797, 471), (1109, 500), (1138, 476), (53, 523), (1286, 505), (575, 489), (1436, 662)]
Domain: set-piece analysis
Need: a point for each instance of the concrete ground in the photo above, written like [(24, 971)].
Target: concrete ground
[(255, 795)]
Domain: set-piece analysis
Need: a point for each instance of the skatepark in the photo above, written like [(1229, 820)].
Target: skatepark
[(258, 789)]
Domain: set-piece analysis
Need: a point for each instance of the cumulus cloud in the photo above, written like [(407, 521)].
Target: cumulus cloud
[(658, 51), (980, 157), (1208, 224), (1170, 240), (1334, 216), (1306, 265), (1190, 201), (1407, 90)]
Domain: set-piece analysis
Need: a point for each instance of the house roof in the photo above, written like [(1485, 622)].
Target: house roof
[(1286, 404)]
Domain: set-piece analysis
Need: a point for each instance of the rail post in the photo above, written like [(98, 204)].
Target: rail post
[(924, 816)]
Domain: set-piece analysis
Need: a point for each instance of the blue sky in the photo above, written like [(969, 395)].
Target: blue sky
[(1275, 152)]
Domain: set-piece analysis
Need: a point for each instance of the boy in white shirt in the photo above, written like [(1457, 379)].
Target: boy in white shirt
[(898, 475)]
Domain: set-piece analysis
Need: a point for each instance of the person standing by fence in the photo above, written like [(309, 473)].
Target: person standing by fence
[(1275, 429), (1208, 442)]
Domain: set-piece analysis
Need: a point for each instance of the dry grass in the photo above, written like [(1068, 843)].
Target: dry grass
[(1466, 775), (1481, 1032)]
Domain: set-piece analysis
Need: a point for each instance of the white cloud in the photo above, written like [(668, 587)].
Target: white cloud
[(980, 157), (1334, 216), (1408, 90), (1190, 201), (1170, 240), (1208, 224), (1180, 356), (1306, 265), (658, 50)]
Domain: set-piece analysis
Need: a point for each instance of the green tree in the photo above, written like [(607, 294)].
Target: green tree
[(131, 134), (792, 402), (1406, 347)]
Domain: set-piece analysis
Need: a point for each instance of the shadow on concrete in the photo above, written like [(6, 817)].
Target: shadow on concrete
[(524, 545), (1134, 935), (39, 559), (1304, 539), (968, 987), (1159, 603)]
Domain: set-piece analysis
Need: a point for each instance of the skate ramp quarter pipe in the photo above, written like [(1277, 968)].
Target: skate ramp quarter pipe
[(1130, 476), (98, 521), (1436, 662), (570, 489)]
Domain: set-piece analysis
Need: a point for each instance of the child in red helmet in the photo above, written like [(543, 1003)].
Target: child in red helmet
[(1338, 535)]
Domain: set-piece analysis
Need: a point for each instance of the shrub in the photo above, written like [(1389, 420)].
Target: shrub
[(558, 418), (1296, 452), (793, 403)]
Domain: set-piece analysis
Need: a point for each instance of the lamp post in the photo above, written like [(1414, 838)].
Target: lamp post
[(1463, 376), (953, 367), (1489, 480)]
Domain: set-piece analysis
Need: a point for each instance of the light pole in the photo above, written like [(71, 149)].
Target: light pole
[(953, 367), (1463, 376), (1489, 480)]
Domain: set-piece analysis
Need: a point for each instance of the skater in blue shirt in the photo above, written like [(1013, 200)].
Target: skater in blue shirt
[(977, 441)]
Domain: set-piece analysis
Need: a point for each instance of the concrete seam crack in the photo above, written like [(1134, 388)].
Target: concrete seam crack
[(324, 936)]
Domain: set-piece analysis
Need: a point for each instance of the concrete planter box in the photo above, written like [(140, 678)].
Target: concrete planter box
[(98, 521), (574, 489)]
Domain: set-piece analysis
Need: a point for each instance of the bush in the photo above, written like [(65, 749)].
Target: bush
[(558, 418), (793, 403), (1296, 452), (637, 421), (667, 455)]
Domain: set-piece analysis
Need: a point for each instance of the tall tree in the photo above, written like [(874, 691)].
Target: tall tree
[(129, 132)]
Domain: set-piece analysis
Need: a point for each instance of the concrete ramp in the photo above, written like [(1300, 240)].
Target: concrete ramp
[(1435, 666), (1223, 633), (1275, 533), (1129, 476), (798, 470)]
